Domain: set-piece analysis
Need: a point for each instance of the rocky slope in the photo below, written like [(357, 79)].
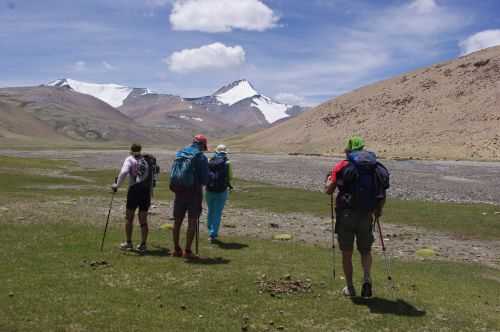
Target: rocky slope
[(62, 115), (450, 110)]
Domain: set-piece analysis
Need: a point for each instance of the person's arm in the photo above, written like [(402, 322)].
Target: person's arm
[(329, 184), (203, 170), (379, 209), (123, 174), (229, 175), (331, 179)]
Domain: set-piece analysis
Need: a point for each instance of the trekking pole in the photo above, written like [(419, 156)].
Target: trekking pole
[(333, 233), (197, 234), (109, 214), (386, 258)]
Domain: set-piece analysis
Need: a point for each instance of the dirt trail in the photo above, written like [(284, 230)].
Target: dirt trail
[(401, 241)]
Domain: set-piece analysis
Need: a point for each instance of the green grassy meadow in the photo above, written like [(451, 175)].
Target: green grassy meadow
[(54, 278)]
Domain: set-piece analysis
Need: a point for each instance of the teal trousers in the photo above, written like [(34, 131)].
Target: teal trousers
[(215, 203)]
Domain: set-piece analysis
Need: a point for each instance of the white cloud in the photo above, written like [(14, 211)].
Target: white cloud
[(419, 18), (480, 40), (80, 66), (222, 15), (289, 98), (213, 56), (107, 66), (376, 45), (424, 6)]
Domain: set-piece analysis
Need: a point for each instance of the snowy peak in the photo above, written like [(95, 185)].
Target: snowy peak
[(112, 94), (235, 92), (271, 110)]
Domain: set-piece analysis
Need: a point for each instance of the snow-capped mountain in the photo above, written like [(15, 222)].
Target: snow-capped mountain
[(272, 110), (233, 109), (242, 95), (111, 94), (235, 92)]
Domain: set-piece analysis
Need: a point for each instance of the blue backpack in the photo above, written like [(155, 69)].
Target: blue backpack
[(182, 173), (368, 180)]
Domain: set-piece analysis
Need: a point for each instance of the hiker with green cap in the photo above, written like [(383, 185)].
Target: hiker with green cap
[(355, 143), (362, 182)]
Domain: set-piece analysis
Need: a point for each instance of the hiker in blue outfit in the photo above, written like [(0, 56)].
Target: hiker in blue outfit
[(219, 181), (362, 182), (188, 176)]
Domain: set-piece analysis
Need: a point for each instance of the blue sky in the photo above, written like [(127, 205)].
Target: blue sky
[(293, 50)]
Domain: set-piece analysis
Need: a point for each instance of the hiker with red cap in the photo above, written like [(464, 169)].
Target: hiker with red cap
[(362, 182), (188, 175)]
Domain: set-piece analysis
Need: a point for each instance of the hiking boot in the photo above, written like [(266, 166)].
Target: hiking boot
[(177, 252), (366, 290), (349, 291), (127, 246), (141, 247)]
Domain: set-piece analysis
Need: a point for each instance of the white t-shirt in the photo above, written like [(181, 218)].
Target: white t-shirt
[(136, 168)]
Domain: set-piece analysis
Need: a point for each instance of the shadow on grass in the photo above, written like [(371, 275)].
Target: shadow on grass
[(208, 261), (156, 252), (230, 245), (383, 306)]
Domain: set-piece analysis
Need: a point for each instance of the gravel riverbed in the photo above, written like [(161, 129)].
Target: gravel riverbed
[(452, 181)]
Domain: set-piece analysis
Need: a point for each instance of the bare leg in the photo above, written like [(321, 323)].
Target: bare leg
[(129, 224), (190, 232), (143, 221), (366, 262), (176, 232), (347, 265)]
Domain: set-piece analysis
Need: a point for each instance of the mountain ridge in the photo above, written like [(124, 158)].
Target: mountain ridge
[(221, 101)]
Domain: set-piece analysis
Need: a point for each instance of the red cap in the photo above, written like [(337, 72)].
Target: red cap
[(202, 140)]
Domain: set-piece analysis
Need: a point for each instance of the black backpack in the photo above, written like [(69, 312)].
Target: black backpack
[(150, 170), (218, 175), (365, 181)]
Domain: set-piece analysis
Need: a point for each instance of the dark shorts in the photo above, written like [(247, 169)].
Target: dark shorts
[(138, 196), (354, 224), (189, 202)]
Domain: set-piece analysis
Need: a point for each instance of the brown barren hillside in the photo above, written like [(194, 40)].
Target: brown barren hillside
[(448, 111), (44, 114)]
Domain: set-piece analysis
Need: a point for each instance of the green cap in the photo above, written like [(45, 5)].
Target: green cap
[(355, 143)]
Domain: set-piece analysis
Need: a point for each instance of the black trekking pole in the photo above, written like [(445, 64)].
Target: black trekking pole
[(109, 214), (333, 233), (386, 258), (197, 234)]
